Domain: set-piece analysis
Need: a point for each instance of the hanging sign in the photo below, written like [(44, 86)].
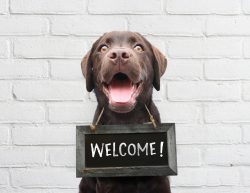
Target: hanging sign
[(126, 150)]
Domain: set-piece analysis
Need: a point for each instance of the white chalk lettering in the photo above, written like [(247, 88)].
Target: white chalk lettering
[(152, 152), (120, 149), (123, 149), (142, 149), (129, 149), (114, 153), (108, 149), (93, 149)]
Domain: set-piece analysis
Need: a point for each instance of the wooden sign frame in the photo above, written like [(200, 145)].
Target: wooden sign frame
[(164, 170)]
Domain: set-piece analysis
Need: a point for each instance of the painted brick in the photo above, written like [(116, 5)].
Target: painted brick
[(228, 155), (204, 91), (47, 6), (4, 137), (203, 6), (49, 48), (227, 112), (4, 177), (221, 155), (208, 176), (38, 190), (182, 69), (4, 49), (174, 25), (183, 179), (178, 112), (23, 69), (72, 112), (4, 6), (246, 91), (223, 176), (49, 90), (228, 25), (10, 190), (66, 69), (62, 190), (225, 69), (125, 7), (246, 48), (217, 189), (205, 48), (64, 156), (188, 156), (21, 156), (44, 177), (187, 190), (87, 25), (44, 135), (245, 172), (246, 134), (207, 134), (22, 113), (6, 91), (19, 25), (246, 6)]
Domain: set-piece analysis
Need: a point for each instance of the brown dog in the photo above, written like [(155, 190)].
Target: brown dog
[(122, 68)]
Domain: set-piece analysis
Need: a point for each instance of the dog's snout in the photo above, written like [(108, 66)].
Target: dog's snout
[(119, 54)]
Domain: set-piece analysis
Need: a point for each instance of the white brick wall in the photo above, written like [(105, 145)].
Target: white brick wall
[(205, 90), (23, 25), (4, 48), (47, 6), (204, 6), (125, 7), (86, 25), (3, 6)]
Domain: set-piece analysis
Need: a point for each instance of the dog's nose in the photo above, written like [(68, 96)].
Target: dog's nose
[(119, 54)]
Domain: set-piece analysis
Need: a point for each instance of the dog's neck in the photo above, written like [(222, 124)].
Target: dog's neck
[(138, 115)]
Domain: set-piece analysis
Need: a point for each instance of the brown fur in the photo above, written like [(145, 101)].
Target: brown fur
[(149, 66)]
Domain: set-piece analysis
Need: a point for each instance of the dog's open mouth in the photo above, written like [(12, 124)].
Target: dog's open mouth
[(122, 92)]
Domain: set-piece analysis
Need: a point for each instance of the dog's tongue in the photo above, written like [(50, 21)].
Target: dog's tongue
[(120, 91)]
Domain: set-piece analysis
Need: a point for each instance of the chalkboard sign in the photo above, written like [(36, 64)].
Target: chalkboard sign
[(126, 150)]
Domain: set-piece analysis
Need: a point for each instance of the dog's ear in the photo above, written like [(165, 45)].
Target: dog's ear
[(87, 71), (159, 65), (87, 67)]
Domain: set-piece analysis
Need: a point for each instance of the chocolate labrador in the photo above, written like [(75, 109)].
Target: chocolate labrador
[(122, 68)]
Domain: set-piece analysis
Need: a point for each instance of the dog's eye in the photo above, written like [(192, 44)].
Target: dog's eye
[(104, 48), (138, 48)]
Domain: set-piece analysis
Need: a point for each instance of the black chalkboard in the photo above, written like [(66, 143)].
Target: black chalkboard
[(126, 150)]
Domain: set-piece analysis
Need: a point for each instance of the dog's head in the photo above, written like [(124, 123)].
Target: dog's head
[(122, 68)]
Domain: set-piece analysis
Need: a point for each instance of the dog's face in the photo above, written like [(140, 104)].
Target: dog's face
[(123, 67)]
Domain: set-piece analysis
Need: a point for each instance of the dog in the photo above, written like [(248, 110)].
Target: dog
[(122, 68)]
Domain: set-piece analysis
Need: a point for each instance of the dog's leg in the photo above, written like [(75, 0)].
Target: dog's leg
[(87, 185)]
